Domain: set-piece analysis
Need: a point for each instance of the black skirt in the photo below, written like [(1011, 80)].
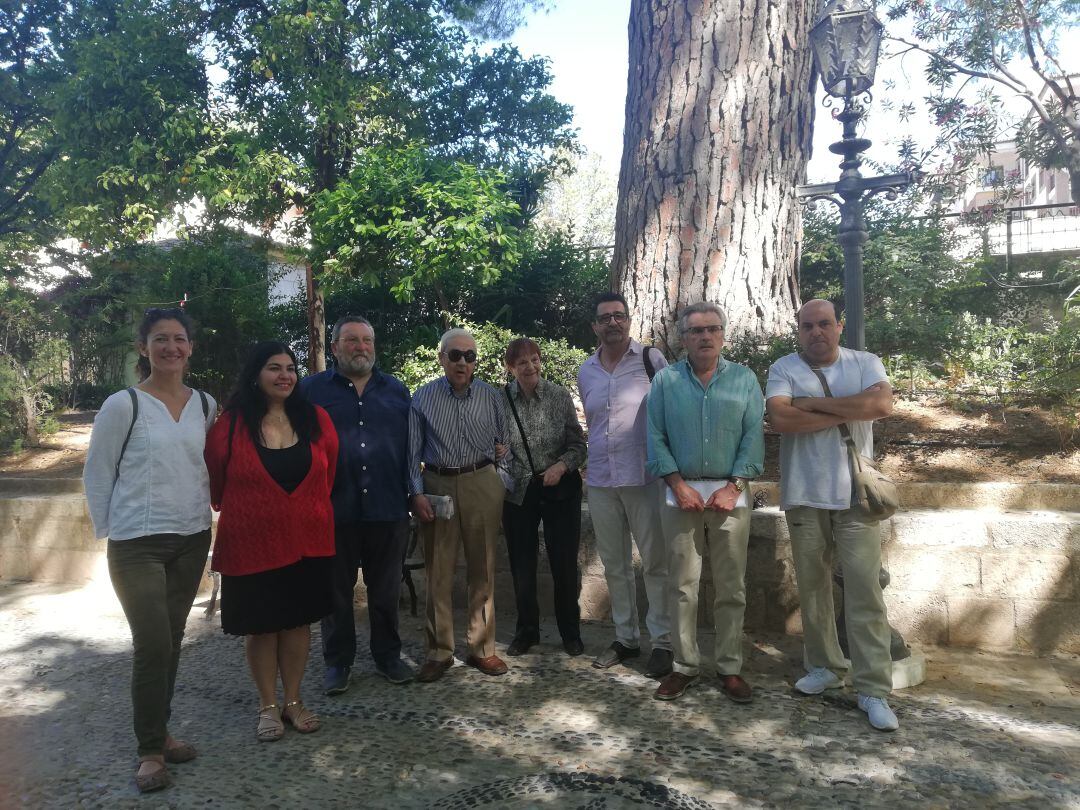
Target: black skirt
[(278, 599)]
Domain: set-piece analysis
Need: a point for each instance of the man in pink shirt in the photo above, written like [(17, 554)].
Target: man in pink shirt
[(624, 500)]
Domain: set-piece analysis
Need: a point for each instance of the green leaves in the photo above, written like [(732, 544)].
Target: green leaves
[(405, 217)]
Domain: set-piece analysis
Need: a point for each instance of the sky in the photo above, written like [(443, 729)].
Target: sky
[(586, 41)]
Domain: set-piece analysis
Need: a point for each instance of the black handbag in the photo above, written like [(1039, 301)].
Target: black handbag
[(569, 485)]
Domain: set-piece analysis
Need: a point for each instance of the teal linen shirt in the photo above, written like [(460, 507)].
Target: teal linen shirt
[(706, 432)]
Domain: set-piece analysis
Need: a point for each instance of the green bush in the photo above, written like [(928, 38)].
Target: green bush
[(758, 352), (561, 360)]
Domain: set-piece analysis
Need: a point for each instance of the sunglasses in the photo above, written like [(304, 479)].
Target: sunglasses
[(457, 355)]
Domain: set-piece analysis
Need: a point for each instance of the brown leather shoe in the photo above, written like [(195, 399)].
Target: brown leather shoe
[(737, 689), (492, 665), (432, 670), (673, 685)]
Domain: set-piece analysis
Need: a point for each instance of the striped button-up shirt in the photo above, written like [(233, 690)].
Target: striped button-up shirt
[(448, 430), (712, 431), (614, 404)]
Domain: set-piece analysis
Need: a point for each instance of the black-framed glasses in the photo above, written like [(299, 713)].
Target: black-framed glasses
[(608, 317), (698, 331), (457, 355)]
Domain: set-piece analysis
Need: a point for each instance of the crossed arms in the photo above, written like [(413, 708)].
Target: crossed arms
[(810, 414)]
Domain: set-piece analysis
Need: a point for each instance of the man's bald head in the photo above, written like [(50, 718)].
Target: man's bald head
[(819, 331)]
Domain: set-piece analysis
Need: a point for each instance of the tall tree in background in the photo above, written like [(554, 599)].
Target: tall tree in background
[(317, 82), (1014, 47), (719, 116)]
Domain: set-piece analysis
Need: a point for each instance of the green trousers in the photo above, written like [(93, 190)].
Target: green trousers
[(156, 578), (816, 536), (690, 535)]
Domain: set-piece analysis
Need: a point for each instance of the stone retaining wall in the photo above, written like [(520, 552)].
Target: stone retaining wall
[(972, 577)]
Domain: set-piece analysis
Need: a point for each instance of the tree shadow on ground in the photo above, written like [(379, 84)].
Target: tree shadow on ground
[(554, 726)]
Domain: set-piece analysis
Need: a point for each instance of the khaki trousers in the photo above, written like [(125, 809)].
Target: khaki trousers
[(478, 498), (816, 535), (725, 536), (617, 513)]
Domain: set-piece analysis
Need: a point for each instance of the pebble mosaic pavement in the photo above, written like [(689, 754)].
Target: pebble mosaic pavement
[(553, 733)]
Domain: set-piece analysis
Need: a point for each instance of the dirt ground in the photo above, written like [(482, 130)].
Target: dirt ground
[(925, 439)]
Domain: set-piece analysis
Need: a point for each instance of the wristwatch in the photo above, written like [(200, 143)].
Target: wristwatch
[(739, 484)]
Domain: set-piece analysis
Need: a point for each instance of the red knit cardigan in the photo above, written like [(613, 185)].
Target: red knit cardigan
[(262, 526)]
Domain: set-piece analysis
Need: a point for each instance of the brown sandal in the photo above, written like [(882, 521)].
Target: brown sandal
[(155, 780), (303, 719), (181, 752), (270, 727)]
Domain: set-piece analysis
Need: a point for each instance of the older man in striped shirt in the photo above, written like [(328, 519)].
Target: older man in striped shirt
[(457, 431)]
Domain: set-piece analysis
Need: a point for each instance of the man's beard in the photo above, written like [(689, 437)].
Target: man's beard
[(357, 365)]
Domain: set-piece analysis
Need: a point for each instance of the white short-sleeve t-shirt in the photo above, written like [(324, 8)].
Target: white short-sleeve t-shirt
[(814, 467)]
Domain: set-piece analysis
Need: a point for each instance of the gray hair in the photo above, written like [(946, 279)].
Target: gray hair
[(450, 334), (344, 319), (701, 308)]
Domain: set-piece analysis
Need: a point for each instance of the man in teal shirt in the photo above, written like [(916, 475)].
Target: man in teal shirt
[(706, 442)]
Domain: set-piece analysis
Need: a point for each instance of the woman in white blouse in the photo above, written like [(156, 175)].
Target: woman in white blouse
[(149, 494)]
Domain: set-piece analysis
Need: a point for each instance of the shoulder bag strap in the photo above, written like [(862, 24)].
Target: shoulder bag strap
[(205, 405), (521, 430), (845, 433), (131, 427)]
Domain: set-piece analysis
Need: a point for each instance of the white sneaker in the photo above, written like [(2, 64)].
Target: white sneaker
[(817, 680), (881, 716)]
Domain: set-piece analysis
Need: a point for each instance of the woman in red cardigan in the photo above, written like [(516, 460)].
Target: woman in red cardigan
[(272, 457)]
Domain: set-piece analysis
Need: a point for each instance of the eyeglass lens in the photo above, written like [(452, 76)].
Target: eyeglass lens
[(608, 317), (456, 355)]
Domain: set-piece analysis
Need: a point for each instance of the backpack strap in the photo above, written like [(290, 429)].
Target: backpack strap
[(131, 427), (205, 405), (646, 360)]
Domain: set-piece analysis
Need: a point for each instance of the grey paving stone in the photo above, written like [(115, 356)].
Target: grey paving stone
[(552, 733)]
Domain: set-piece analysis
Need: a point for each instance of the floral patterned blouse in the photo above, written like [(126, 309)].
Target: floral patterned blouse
[(551, 425)]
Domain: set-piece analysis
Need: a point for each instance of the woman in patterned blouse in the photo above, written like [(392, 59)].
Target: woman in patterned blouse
[(548, 447)]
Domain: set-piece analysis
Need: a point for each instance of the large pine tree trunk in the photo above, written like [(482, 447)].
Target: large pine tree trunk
[(719, 113)]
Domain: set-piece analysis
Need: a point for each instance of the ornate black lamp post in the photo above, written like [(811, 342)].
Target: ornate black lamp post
[(846, 40)]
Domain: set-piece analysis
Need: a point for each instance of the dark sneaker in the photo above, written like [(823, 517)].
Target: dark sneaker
[(336, 680), (673, 686), (573, 647), (659, 663), (615, 654), (395, 671), (521, 645)]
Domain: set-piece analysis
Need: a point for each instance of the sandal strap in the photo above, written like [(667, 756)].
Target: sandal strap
[(302, 714)]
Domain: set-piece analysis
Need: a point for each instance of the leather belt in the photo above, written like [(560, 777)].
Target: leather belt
[(468, 468)]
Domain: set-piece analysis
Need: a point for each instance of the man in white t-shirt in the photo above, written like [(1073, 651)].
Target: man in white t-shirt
[(816, 496)]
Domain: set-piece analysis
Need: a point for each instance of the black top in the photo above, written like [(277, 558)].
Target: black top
[(288, 466)]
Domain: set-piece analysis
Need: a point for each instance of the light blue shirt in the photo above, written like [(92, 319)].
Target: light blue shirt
[(712, 431)]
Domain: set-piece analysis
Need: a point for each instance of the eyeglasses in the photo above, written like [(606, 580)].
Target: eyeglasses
[(698, 331), (457, 355), (608, 317)]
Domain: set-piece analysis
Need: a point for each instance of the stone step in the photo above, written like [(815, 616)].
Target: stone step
[(966, 495), (12, 486)]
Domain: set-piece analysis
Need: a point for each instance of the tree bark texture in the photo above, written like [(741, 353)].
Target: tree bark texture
[(719, 117)]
